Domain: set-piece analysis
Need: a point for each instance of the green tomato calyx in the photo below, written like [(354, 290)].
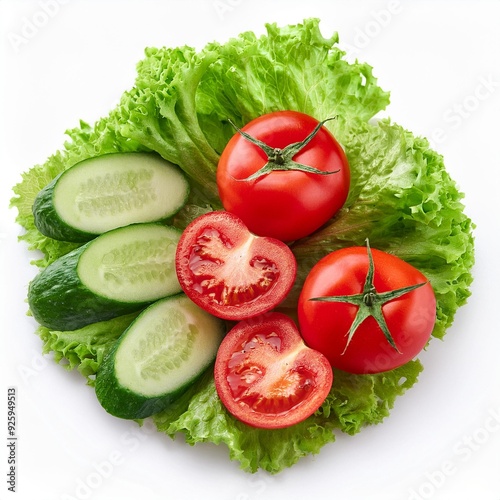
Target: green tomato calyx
[(282, 158), (370, 303)]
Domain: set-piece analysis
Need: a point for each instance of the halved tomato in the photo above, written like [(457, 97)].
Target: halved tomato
[(230, 272), (267, 377)]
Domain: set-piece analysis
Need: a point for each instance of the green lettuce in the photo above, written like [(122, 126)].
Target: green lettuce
[(354, 401), (85, 348), (406, 204), (401, 197)]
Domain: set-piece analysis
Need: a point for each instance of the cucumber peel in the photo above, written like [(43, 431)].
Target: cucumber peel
[(109, 191), (162, 353), (117, 273)]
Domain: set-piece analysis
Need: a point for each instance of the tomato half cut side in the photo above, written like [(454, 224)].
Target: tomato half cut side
[(230, 272), (267, 377)]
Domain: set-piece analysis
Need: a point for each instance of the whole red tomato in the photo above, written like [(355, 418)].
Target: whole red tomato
[(284, 175), (366, 310)]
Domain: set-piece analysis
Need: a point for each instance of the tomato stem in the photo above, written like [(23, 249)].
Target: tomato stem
[(282, 158), (370, 302)]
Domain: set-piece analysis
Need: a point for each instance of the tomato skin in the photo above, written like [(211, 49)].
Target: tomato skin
[(286, 205), (267, 377), (228, 271), (324, 325)]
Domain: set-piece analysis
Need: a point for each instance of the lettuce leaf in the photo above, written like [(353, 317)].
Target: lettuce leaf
[(84, 349), (406, 204), (401, 197), (293, 67), (182, 99), (354, 402)]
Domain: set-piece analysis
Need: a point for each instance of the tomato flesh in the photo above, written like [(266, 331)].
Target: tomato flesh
[(267, 377), (229, 271), (325, 325), (263, 383), (213, 251)]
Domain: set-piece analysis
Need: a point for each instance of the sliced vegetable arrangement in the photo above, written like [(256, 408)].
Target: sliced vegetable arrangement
[(318, 251)]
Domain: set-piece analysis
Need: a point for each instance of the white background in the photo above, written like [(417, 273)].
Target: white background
[(66, 60)]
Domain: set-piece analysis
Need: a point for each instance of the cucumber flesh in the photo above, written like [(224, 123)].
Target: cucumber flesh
[(119, 272), (132, 264), (109, 191), (165, 349)]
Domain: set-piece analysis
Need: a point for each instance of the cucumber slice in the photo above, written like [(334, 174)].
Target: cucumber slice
[(109, 191), (119, 272), (165, 349)]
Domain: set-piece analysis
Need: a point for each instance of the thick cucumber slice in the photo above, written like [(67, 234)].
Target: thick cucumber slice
[(167, 347), (118, 272), (109, 191)]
